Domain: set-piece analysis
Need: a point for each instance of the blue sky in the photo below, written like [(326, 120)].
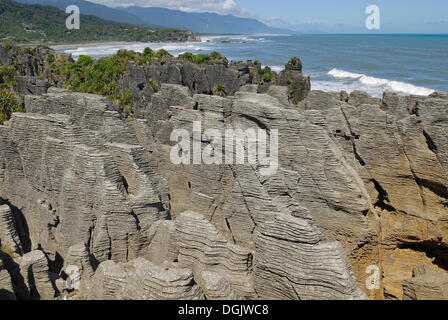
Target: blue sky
[(407, 16), (396, 15)]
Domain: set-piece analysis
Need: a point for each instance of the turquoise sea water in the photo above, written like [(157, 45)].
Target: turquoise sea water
[(408, 64)]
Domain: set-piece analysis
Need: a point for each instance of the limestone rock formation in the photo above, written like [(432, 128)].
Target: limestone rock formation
[(140, 279), (427, 283), (35, 270), (202, 248), (79, 260), (10, 240), (6, 286), (289, 252), (298, 84), (203, 79), (31, 85), (360, 182), (216, 287)]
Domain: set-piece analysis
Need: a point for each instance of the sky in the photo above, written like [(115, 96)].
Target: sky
[(400, 16)]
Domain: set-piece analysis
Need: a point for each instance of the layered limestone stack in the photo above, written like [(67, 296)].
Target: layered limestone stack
[(82, 143), (217, 287), (6, 286), (163, 247), (427, 283), (360, 182), (79, 262), (9, 238), (202, 248), (293, 262), (298, 84), (35, 272), (140, 279), (332, 166)]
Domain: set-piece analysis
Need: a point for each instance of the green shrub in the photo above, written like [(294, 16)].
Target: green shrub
[(50, 58), (84, 60), (187, 56), (267, 77), (126, 101), (252, 75), (99, 76), (162, 53), (220, 90), (8, 105), (7, 74), (202, 58), (153, 84), (147, 56), (215, 55), (292, 90), (148, 52), (266, 74)]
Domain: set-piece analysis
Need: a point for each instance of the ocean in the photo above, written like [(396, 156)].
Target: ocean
[(406, 64)]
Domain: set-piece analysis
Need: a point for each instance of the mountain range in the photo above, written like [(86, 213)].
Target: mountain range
[(201, 22), (46, 24), (89, 8), (204, 22)]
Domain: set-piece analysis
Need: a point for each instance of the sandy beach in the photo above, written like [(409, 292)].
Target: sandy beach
[(61, 47)]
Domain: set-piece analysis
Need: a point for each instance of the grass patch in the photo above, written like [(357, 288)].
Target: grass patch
[(8, 105)]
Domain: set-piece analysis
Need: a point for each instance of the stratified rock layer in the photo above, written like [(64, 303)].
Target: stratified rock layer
[(35, 270), (427, 283), (140, 279), (360, 182), (202, 248)]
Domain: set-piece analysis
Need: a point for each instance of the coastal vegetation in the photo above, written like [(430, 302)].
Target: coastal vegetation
[(220, 90), (210, 59), (104, 76), (7, 76), (266, 74), (8, 105), (153, 84), (98, 76)]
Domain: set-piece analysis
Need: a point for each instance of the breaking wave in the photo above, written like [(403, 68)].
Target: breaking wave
[(377, 85), (110, 49)]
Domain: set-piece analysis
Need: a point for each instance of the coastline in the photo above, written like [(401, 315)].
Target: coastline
[(59, 47)]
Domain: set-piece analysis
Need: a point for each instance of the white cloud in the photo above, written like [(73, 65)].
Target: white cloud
[(216, 6)]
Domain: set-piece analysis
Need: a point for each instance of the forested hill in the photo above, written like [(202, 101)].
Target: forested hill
[(27, 23), (90, 8)]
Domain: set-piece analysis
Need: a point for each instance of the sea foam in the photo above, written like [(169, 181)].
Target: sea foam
[(369, 83)]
